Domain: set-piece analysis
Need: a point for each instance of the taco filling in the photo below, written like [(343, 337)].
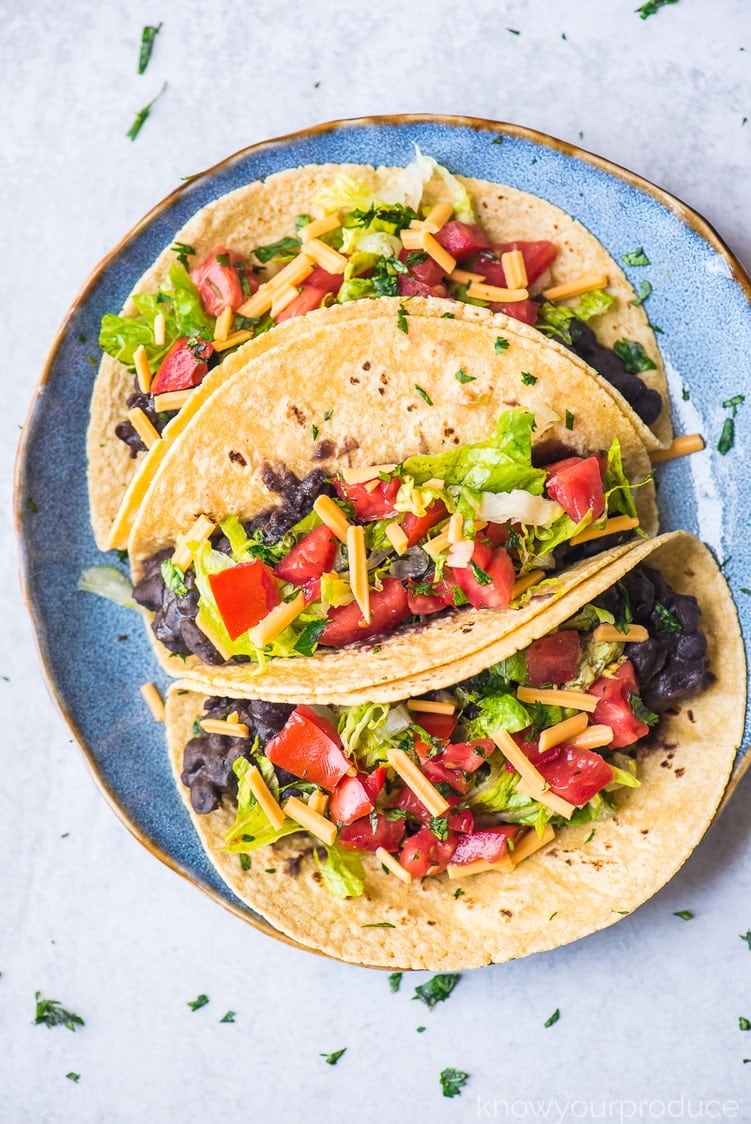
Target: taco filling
[(355, 555), (468, 779), (359, 246)]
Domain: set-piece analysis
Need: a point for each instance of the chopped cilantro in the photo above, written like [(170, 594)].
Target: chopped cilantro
[(395, 981), (497, 140), (684, 914), (744, 1023), (501, 344), (142, 115), (228, 1018), (685, 395), (742, 590), (590, 837), (569, 420), (285, 248), (633, 356), (668, 622), (327, 415), (462, 376), (198, 1002), (641, 712), (652, 7), (307, 641), (513, 31), (553, 1018), (747, 938), (401, 319), (437, 989), (51, 1013), (482, 577), (332, 1059), (183, 252), (459, 893), (148, 35), (74, 1077), (734, 402), (636, 257), (420, 1029), (454, 1080), (315, 431), (645, 290), (244, 861), (439, 826), (31, 506), (424, 395), (527, 379), (173, 578), (378, 925), (415, 257)]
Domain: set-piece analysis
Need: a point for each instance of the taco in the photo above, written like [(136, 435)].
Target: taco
[(421, 451), (211, 293), (533, 802)]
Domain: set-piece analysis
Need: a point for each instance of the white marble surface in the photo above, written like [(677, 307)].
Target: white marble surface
[(649, 1009)]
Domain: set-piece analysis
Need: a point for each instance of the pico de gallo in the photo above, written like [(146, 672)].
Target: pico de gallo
[(354, 556), (467, 779), (358, 247)]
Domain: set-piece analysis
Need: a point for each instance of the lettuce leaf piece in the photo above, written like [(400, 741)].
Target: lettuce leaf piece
[(364, 733), (498, 712), (119, 336), (555, 319), (111, 584), (251, 828), (190, 318), (342, 873), (619, 493), (500, 464)]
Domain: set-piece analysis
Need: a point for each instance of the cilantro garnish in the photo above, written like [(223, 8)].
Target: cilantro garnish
[(378, 924), (668, 622), (198, 1002), (332, 1059), (401, 319), (74, 1077), (424, 395), (51, 1013), (395, 981), (640, 711), (527, 379), (553, 1018), (285, 248), (684, 914), (645, 290), (590, 837), (439, 826), (744, 1023), (459, 893), (513, 31), (327, 415), (415, 257), (685, 393), (501, 344), (454, 1080), (727, 436), (315, 431), (245, 861), (142, 115), (31, 506), (569, 420), (482, 577), (636, 257), (437, 989), (747, 938), (307, 641), (462, 376), (652, 7), (633, 356), (173, 578), (148, 35)]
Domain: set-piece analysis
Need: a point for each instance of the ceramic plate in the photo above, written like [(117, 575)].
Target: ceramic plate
[(97, 655)]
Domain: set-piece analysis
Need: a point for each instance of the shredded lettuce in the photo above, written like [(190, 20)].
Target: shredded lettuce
[(342, 873), (365, 734), (503, 711), (555, 319), (252, 828), (110, 583)]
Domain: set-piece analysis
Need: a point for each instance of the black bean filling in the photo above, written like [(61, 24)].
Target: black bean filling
[(644, 401), (174, 621), (126, 431), (672, 665)]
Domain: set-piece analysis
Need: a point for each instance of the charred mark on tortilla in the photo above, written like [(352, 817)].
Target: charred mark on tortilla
[(296, 413), (324, 450), (237, 458)]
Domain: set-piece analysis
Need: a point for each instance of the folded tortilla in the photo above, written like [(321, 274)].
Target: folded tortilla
[(581, 882), (391, 393), (264, 211)]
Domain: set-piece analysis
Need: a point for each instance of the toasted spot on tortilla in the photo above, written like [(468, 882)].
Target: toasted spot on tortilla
[(237, 458), (296, 413)]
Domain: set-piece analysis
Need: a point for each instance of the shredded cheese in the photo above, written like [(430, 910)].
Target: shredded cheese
[(172, 399), (585, 283), (283, 296), (563, 731), (531, 781), (464, 277), (259, 303), (436, 545), (320, 226), (153, 700), (435, 250), (416, 780), (594, 737), (363, 473), (392, 864), (544, 796), (514, 269), (143, 427), (225, 727), (549, 696), (679, 447), (456, 527), (223, 323), (233, 340), (312, 821), (634, 634), (484, 292), (318, 801), (431, 706), (211, 634), (326, 256), (143, 370), (358, 569), (276, 621), (265, 798), (396, 536), (201, 530), (479, 866), (412, 238), (436, 217), (612, 527), (160, 329), (530, 843), (521, 585), (333, 517)]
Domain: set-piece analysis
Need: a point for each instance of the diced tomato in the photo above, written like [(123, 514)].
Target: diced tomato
[(411, 287), (467, 756), (576, 484), (244, 594), (576, 774), (497, 533), (374, 781), (553, 659), (423, 749), (438, 773), (437, 725), (219, 280), (497, 565), (489, 266), (460, 819), (531, 750), (306, 301), (388, 608), (323, 280), (312, 556), (363, 836), (614, 707), (416, 527), (350, 800), (462, 239), (311, 590), (184, 365), (422, 604), (538, 256), (423, 854), (525, 311), (488, 843), (428, 271), (309, 747), (370, 504)]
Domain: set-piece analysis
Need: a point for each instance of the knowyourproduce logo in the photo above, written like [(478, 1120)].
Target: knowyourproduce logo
[(559, 1111)]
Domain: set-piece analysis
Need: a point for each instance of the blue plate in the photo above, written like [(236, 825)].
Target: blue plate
[(96, 656)]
